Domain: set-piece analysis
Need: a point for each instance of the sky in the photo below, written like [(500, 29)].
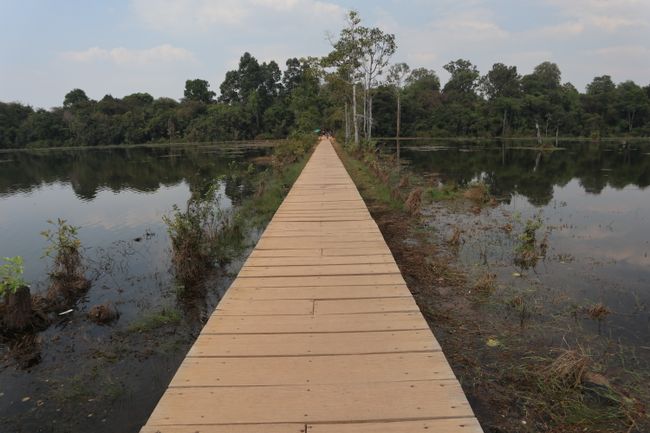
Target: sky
[(119, 47)]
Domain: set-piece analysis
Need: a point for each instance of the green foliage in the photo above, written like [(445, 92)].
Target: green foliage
[(448, 191), (529, 250), (64, 248), (259, 100), (62, 240), (11, 275), (201, 234), (152, 321)]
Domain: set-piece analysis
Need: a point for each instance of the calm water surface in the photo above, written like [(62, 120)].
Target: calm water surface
[(81, 376), (594, 202)]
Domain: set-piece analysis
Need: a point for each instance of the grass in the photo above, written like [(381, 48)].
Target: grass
[(366, 180), (155, 320), (526, 385), (444, 192)]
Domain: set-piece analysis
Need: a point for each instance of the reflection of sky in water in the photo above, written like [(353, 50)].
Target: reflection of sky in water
[(612, 225), (599, 243), (109, 217)]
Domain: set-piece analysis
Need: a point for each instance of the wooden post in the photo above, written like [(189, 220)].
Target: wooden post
[(18, 309)]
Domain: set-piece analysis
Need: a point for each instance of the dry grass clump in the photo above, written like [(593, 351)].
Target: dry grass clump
[(486, 284), (455, 239), (569, 368), (598, 311), (477, 193), (414, 201), (103, 314)]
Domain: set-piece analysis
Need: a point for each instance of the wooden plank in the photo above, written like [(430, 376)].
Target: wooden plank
[(312, 403), (245, 307), (317, 293), (318, 333), (454, 425), (325, 280), (339, 269), (380, 305), (219, 324), (318, 260), (347, 343), (230, 428), (316, 370)]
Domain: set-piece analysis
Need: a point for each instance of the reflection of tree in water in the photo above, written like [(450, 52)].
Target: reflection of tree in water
[(88, 171), (534, 174)]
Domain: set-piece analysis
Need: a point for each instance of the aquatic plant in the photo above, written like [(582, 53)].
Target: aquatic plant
[(528, 251), (194, 233), (16, 312), (598, 311), (486, 284), (11, 275), (67, 277)]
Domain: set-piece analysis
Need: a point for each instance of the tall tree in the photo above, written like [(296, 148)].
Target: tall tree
[(376, 47), (396, 78), (198, 90), (346, 57)]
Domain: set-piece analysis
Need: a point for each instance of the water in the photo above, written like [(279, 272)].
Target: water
[(80, 376), (593, 201)]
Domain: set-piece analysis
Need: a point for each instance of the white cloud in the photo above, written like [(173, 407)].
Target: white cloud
[(607, 15), (189, 15), (561, 30), (125, 56)]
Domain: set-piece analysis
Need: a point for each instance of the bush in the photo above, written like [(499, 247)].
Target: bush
[(67, 273)]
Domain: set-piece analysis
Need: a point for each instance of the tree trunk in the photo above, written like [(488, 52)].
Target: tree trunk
[(557, 135), (369, 116), (539, 134), (354, 114), (18, 309), (546, 130), (365, 111), (397, 128), (503, 123), (347, 123)]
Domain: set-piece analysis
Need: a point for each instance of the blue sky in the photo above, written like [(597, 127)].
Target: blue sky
[(123, 46)]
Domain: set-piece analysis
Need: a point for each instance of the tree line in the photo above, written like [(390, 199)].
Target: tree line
[(353, 90)]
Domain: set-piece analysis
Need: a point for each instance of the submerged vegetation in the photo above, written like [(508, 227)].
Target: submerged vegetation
[(67, 274), (206, 234), (523, 364)]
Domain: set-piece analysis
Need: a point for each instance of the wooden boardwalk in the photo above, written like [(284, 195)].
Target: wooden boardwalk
[(317, 334)]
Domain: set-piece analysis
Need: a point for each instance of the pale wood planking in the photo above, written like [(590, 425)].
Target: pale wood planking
[(319, 293), (338, 269), (346, 343), (462, 425), (318, 333), (315, 370), (373, 401), (292, 324)]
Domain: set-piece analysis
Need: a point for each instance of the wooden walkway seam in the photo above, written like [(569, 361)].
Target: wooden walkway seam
[(318, 333)]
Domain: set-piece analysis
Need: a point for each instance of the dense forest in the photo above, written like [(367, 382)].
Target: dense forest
[(259, 100)]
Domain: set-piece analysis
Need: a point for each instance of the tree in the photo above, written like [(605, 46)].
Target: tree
[(502, 87), (346, 57), (600, 100), (376, 49), (631, 102), (396, 78), (421, 99), (198, 90), (75, 98)]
